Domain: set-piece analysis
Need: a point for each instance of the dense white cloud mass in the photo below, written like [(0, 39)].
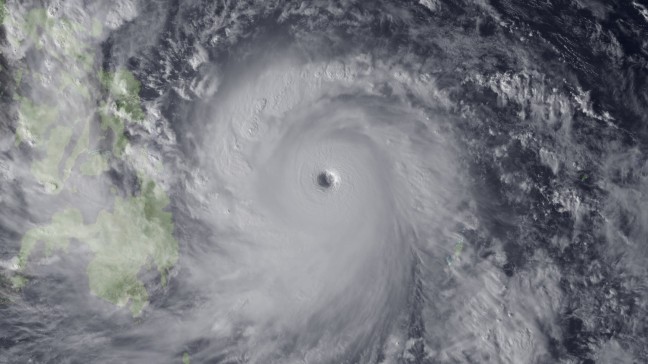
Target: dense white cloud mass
[(333, 261)]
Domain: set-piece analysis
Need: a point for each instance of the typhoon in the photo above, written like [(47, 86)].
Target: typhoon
[(370, 182), (325, 190)]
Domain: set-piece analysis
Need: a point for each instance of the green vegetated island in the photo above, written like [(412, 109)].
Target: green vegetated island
[(137, 231)]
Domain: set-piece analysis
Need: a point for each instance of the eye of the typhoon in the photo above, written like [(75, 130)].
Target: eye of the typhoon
[(327, 179)]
